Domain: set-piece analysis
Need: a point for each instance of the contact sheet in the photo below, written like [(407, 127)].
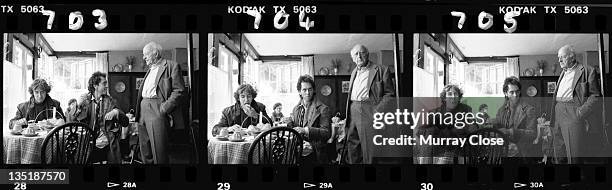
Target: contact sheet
[(307, 95)]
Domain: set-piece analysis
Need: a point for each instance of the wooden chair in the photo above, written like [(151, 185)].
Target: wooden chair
[(71, 143), (279, 145), (486, 154)]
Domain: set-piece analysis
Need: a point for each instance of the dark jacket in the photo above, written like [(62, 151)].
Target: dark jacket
[(171, 89), (587, 93), (525, 127), (112, 131), (439, 130), (319, 128), (381, 92), (29, 110), (234, 115)]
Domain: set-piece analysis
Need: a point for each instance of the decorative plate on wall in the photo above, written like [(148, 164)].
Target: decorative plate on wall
[(529, 72), (532, 91), (120, 87), (118, 68), (326, 90), (323, 71)]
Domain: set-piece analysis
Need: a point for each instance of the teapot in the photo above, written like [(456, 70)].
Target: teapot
[(30, 131), (237, 136)]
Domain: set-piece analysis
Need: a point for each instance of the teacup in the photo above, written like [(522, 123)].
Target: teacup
[(236, 136), (30, 131), (224, 132)]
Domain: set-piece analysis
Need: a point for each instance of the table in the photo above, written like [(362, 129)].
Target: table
[(228, 152), (19, 149)]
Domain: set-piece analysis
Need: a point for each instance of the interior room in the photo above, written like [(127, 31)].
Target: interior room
[(272, 64), (67, 60), (479, 63)]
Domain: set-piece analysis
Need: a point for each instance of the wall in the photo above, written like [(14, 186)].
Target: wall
[(592, 59), (387, 58), (347, 65), (118, 57), (530, 61)]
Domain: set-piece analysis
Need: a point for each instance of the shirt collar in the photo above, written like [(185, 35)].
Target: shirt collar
[(156, 64), (571, 68), (306, 106), (93, 98), (364, 67)]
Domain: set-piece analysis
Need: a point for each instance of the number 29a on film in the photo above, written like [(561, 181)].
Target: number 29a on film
[(75, 19)]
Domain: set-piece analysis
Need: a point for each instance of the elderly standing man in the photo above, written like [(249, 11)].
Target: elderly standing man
[(370, 83), (159, 101), (575, 108)]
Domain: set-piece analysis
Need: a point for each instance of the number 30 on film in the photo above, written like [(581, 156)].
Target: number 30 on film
[(76, 25)]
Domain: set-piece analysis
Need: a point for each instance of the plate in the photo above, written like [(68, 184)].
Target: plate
[(532, 91), (323, 71), (326, 90), (30, 135), (237, 140), (120, 87), (16, 132), (118, 68), (529, 72)]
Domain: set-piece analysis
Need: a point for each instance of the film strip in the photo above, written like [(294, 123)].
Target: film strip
[(334, 17)]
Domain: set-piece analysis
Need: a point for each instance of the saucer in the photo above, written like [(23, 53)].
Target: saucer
[(222, 138), (16, 132), (30, 135), (237, 140)]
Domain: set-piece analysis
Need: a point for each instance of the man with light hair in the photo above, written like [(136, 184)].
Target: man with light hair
[(370, 83), (159, 107), (575, 110)]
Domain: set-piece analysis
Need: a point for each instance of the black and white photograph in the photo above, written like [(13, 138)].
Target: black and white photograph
[(551, 86), (539, 93), (99, 98), (297, 92), (345, 86)]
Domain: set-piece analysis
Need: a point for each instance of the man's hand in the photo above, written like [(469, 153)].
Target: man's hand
[(21, 121), (112, 114), (286, 119), (300, 130), (507, 132), (250, 111)]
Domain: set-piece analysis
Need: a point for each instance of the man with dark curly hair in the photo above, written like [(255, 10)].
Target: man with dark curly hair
[(311, 118), (246, 110), (101, 113), (517, 120), (38, 107)]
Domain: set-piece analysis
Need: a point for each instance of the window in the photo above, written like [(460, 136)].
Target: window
[(68, 75), (224, 80), (484, 79), (228, 63), (275, 82), (431, 77), (19, 72)]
